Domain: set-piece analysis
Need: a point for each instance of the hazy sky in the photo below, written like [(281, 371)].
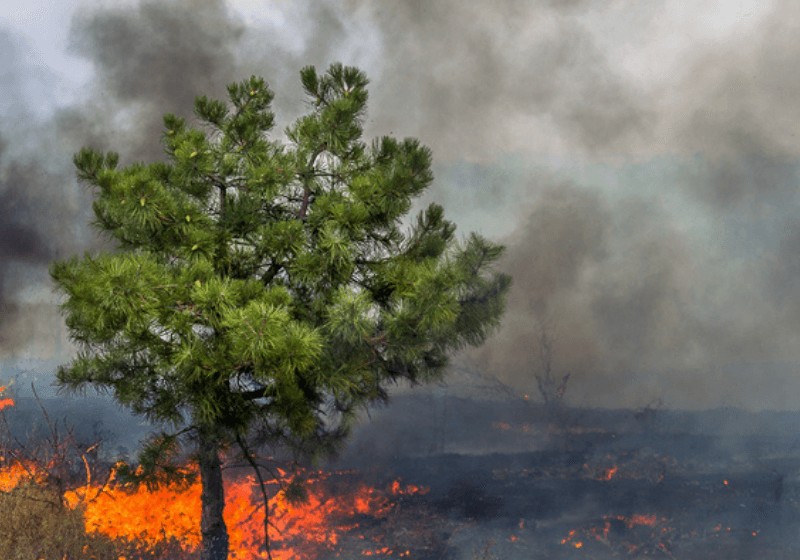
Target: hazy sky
[(639, 160)]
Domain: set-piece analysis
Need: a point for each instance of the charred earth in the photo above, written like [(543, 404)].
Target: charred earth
[(436, 476)]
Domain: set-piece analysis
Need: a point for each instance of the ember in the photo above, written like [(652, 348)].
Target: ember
[(408, 490), (609, 474), (632, 534)]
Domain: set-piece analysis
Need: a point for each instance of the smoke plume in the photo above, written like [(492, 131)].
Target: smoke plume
[(645, 182)]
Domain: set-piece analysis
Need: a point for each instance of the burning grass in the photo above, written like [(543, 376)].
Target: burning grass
[(50, 509), (610, 491), (142, 522)]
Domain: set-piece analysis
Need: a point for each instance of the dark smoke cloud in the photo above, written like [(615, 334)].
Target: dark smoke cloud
[(653, 226), (148, 59), (43, 216), (19, 237)]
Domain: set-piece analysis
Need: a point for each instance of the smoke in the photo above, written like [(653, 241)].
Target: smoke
[(18, 242), (689, 291), (148, 59), (478, 82), (645, 183)]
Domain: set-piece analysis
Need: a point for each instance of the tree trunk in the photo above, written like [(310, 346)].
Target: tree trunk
[(212, 499)]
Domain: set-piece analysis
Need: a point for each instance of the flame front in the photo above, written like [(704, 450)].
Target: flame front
[(307, 529), (152, 517), (14, 473)]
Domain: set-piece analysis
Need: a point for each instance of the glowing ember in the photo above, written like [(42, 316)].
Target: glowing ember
[(408, 490), (609, 473), (602, 534), (384, 551), (569, 536)]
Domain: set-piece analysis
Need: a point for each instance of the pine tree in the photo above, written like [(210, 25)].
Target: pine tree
[(269, 285)]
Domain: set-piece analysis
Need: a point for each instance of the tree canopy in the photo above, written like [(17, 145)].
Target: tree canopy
[(271, 284)]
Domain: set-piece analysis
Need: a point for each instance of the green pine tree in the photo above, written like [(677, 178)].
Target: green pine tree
[(269, 286)]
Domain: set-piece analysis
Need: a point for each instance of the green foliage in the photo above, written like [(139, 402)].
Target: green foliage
[(267, 284)]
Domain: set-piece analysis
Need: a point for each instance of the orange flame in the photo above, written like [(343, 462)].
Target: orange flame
[(171, 513), (16, 473), (154, 516), (609, 473), (383, 551), (409, 489), (6, 401)]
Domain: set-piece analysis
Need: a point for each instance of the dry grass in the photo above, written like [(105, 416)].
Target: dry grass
[(35, 525)]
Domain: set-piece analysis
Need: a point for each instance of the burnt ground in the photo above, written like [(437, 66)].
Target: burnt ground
[(507, 481)]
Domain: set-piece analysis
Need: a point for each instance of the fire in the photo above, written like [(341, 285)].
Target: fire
[(609, 473), (603, 534), (311, 529), (5, 402), (398, 489), (335, 505), (569, 539), (15, 473), (297, 530)]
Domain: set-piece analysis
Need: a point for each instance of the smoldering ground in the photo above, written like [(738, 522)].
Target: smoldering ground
[(647, 192)]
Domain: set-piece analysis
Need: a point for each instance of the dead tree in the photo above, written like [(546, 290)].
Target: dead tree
[(552, 387)]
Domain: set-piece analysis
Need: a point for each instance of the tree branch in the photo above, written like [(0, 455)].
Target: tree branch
[(262, 487)]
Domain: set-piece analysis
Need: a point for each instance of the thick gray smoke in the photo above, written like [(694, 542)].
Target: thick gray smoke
[(688, 289), (661, 247), (647, 192), (36, 218), (148, 60), (477, 82)]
